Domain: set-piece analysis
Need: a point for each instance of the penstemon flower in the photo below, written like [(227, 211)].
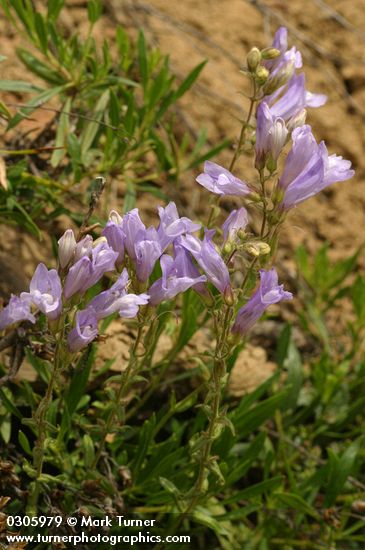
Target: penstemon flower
[(172, 226), (208, 259), (116, 299), (85, 331), (178, 274), (309, 169), (18, 309), (268, 293), (220, 181), (238, 219), (271, 135), (45, 292)]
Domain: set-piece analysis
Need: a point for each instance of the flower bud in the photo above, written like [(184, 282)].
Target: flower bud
[(282, 77), (228, 296), (228, 248), (115, 217), (270, 53), (241, 234), (254, 197), (66, 247), (264, 248), (253, 59), (262, 74), (100, 240), (253, 250), (297, 120)]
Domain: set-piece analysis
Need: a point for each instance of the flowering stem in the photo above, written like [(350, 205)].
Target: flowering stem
[(215, 395), (40, 417), (245, 125), (124, 384)]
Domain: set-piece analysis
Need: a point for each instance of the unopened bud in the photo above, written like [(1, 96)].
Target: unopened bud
[(297, 120), (253, 59), (262, 74), (115, 217), (241, 234), (228, 248), (228, 296), (264, 248), (66, 247), (99, 240), (271, 164), (281, 78), (270, 53), (254, 197), (253, 250)]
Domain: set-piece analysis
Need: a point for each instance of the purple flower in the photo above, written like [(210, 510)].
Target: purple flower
[(220, 181), (18, 309), (271, 134), (178, 274), (85, 331), (83, 248), (86, 272), (269, 292), (208, 258), (280, 43), (289, 100), (172, 226), (238, 219), (76, 277), (147, 251), (309, 169), (132, 225), (116, 299), (116, 238), (45, 292), (66, 247)]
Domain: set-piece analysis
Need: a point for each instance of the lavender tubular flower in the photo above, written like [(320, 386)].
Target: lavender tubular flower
[(103, 259), (116, 238), (220, 181), (290, 100), (309, 169), (85, 331), (76, 277), (83, 248), (116, 299), (147, 251), (271, 135), (172, 226), (18, 309), (175, 277), (209, 259), (132, 226), (238, 219), (268, 293), (45, 292)]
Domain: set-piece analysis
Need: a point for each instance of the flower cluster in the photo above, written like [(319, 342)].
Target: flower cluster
[(186, 252)]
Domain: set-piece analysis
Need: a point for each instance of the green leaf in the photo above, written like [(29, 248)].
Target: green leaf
[(94, 9), (41, 30), (10, 407), (89, 451), (289, 358), (33, 104), (189, 80), (18, 86), (54, 7), (92, 127), (255, 490), (39, 68), (62, 134), (24, 443), (340, 469), (142, 59), (203, 516), (291, 500), (114, 109)]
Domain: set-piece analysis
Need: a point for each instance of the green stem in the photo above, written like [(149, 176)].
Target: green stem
[(124, 385), (41, 418), (245, 125)]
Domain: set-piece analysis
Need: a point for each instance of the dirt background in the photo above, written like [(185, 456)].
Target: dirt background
[(331, 37)]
